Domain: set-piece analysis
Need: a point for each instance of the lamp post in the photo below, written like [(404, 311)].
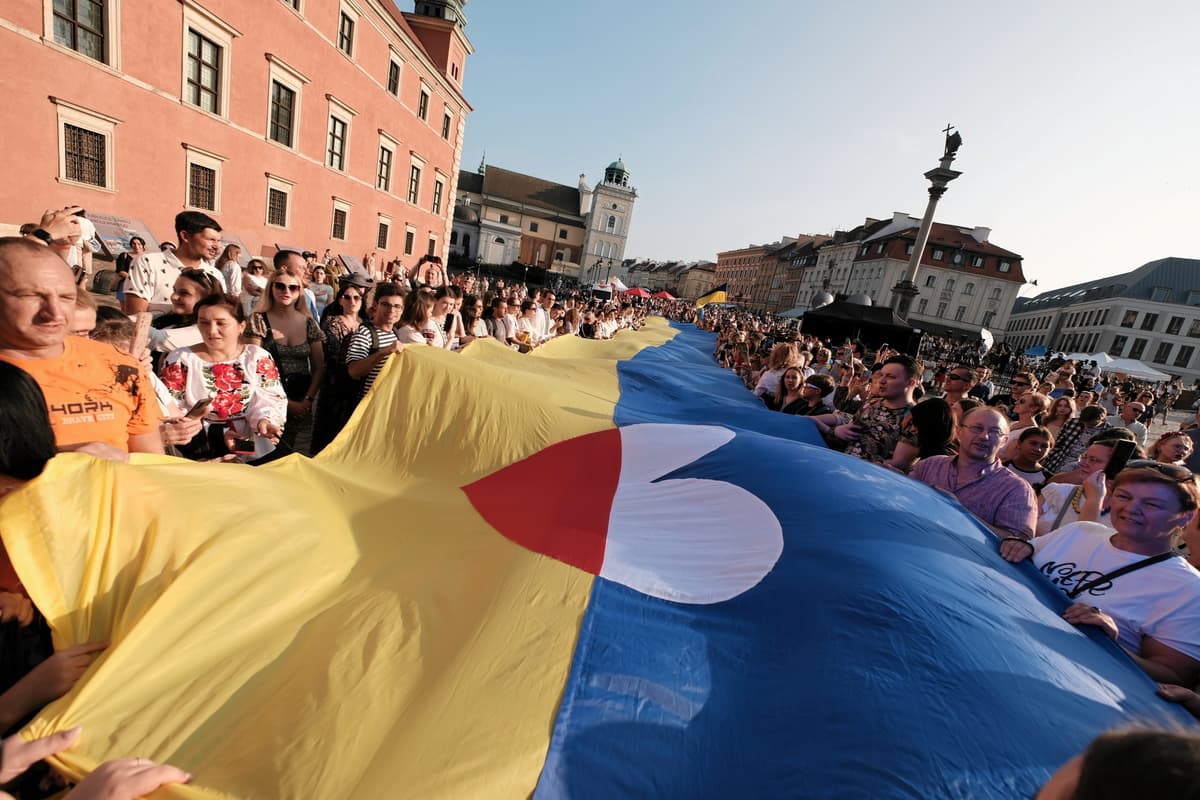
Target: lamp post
[(939, 178)]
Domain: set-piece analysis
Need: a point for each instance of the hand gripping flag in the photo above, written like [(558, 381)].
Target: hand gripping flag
[(599, 570)]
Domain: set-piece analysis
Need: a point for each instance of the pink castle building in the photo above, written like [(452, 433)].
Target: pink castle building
[(311, 124)]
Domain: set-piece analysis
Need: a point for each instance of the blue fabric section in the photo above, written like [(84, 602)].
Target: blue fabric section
[(680, 382), (890, 654)]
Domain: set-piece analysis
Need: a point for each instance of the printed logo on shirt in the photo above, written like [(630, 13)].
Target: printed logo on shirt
[(82, 413), (1067, 576)]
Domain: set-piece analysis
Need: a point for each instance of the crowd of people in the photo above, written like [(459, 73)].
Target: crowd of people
[(217, 361), (1059, 465)]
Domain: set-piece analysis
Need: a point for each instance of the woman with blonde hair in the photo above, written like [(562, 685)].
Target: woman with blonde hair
[(783, 355), (230, 268), (283, 326), (1173, 447), (1061, 410), (820, 364), (1029, 408), (253, 284)]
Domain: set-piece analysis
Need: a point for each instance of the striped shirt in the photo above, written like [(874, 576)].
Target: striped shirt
[(360, 347)]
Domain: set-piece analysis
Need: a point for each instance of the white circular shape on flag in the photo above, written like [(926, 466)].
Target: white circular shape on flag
[(690, 540)]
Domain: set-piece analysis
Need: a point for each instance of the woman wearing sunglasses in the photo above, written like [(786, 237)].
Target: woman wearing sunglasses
[(1128, 580), (284, 327), (254, 282)]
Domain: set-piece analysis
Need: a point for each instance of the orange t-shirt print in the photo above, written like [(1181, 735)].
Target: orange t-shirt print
[(95, 393)]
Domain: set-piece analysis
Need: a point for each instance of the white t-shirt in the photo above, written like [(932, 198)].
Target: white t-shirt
[(152, 277), (1054, 496), (768, 383), (1161, 601)]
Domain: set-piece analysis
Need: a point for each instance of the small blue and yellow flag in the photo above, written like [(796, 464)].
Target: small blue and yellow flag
[(717, 295)]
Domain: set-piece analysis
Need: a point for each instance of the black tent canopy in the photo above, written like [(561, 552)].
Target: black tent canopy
[(872, 325)]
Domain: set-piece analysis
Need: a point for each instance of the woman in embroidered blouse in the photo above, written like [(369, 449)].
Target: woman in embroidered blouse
[(241, 379), (283, 326)]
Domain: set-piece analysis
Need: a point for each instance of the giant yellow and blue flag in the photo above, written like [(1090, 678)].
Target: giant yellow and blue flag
[(600, 570)]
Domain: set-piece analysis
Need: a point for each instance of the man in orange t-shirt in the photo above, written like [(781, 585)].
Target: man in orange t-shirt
[(99, 399)]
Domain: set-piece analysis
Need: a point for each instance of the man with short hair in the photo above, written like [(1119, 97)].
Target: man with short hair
[(1021, 383), (983, 388), (1003, 501), (371, 345), (959, 382), (873, 431), (545, 302), (1130, 412), (152, 275), (100, 401)]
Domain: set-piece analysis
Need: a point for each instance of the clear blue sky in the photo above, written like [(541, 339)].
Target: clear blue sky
[(744, 121)]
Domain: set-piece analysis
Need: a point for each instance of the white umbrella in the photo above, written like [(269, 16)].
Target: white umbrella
[(1101, 359), (1136, 369), (617, 285)]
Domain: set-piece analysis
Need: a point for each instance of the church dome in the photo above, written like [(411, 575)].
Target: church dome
[(616, 173), (860, 300), (464, 213)]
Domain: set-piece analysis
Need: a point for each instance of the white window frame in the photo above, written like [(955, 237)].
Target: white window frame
[(112, 34), (222, 34), (340, 205), (407, 230), (94, 121), (419, 162), (279, 70), (394, 58), (448, 114), (439, 190), (345, 114), (202, 158), (281, 185), (383, 219), (428, 92), (432, 245), (353, 13), (386, 141)]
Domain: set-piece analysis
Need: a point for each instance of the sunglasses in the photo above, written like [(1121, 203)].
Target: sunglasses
[(285, 287), (1021, 383), (256, 268), (1173, 471), (954, 377)]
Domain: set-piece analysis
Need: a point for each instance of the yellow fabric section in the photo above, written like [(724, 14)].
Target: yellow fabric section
[(346, 626)]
